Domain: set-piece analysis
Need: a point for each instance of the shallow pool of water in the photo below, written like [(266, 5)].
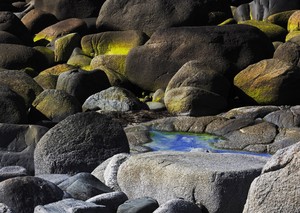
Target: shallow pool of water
[(181, 141)]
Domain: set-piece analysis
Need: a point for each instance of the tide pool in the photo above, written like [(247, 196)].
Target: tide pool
[(187, 142)]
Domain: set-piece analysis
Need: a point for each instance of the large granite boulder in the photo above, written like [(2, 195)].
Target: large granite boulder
[(288, 52), (270, 82), (197, 90), (79, 144), (220, 182), (64, 9), (277, 188), (23, 194), (227, 49), (153, 15), (18, 143)]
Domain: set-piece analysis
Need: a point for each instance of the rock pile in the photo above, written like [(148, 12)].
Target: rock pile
[(71, 70)]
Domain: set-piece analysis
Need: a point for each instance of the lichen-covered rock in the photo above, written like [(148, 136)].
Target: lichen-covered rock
[(197, 90), (270, 82), (56, 105), (79, 144), (273, 31), (113, 99), (23, 194), (153, 15), (288, 52), (281, 18), (112, 43), (220, 182), (293, 22), (82, 84), (230, 48), (277, 188), (64, 46)]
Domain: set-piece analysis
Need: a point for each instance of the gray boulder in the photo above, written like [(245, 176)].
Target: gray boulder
[(227, 49), (79, 144), (143, 204), (113, 99), (71, 206), (18, 143), (83, 186), (288, 52), (22, 194), (153, 15), (219, 182), (11, 172), (178, 206), (277, 188), (111, 200), (82, 84), (4, 208)]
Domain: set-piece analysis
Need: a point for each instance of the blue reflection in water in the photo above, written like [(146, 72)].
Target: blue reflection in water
[(181, 141)]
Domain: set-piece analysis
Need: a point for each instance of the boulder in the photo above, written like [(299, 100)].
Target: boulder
[(153, 15), (22, 84), (71, 25), (71, 205), (4, 208), (12, 107), (281, 18), (12, 24), (285, 118), (36, 20), (64, 9), (83, 186), (79, 59), (18, 143), (143, 204), (288, 52), (79, 144), (270, 82), (55, 105), (82, 84), (230, 49), (197, 90), (220, 182), (113, 99), (273, 31), (64, 46), (8, 38), (286, 137), (293, 22), (241, 13), (261, 9), (8, 172), (111, 200), (23, 194), (276, 189), (15, 56), (54, 178), (112, 43), (178, 206)]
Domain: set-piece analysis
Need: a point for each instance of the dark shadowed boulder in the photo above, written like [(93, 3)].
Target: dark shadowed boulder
[(18, 143), (23, 194), (8, 38), (79, 144), (148, 16), (64, 9), (12, 107), (228, 49), (143, 204), (82, 84), (21, 83)]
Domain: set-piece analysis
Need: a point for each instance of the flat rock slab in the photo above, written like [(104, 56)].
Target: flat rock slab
[(220, 182)]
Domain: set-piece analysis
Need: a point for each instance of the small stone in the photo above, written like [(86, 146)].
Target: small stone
[(139, 205)]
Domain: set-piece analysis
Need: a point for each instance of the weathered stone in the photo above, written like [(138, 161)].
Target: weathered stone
[(288, 52), (277, 188), (22, 194), (270, 82), (285, 118), (11, 172), (285, 138), (293, 22), (178, 206), (113, 99), (281, 18), (8, 38), (218, 181), (80, 143), (144, 204), (64, 46)]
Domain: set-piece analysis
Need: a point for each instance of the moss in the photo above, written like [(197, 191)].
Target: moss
[(57, 69), (262, 95), (293, 22), (273, 31)]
